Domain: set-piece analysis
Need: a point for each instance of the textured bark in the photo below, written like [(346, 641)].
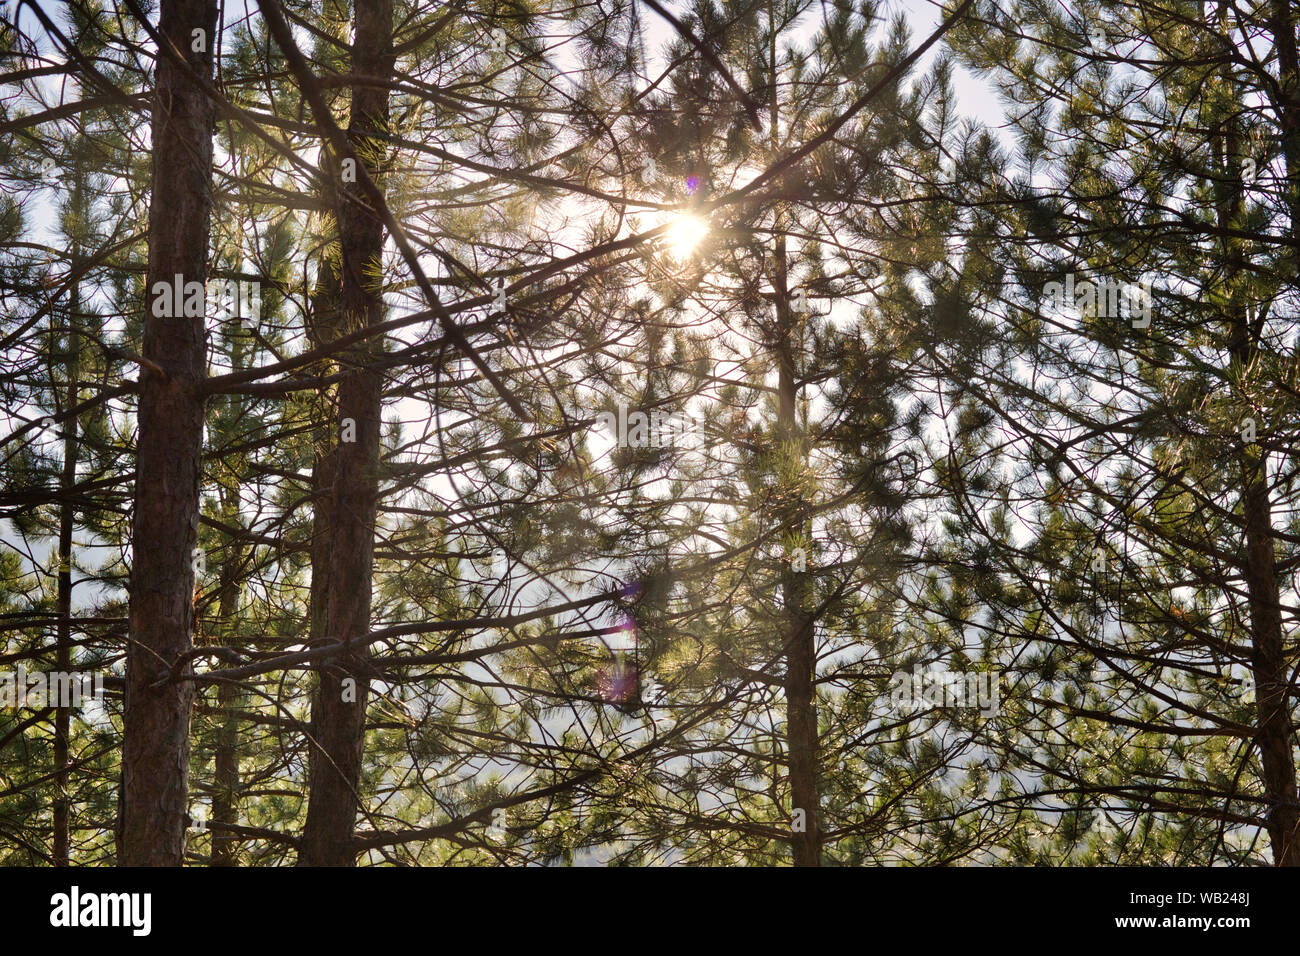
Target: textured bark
[(338, 725), (326, 327), (323, 328), (156, 749)]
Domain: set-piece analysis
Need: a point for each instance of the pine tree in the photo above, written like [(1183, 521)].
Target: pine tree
[(1148, 593), (155, 750)]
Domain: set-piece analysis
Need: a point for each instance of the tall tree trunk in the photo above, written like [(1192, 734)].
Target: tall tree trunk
[(225, 797), (1269, 666), (1276, 728), (1284, 828), (225, 794), (800, 650), (339, 708), (323, 329), (1283, 17), (156, 750), (63, 636)]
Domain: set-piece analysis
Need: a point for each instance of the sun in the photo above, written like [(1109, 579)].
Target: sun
[(685, 233)]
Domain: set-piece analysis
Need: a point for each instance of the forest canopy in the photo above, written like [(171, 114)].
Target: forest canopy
[(719, 432)]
